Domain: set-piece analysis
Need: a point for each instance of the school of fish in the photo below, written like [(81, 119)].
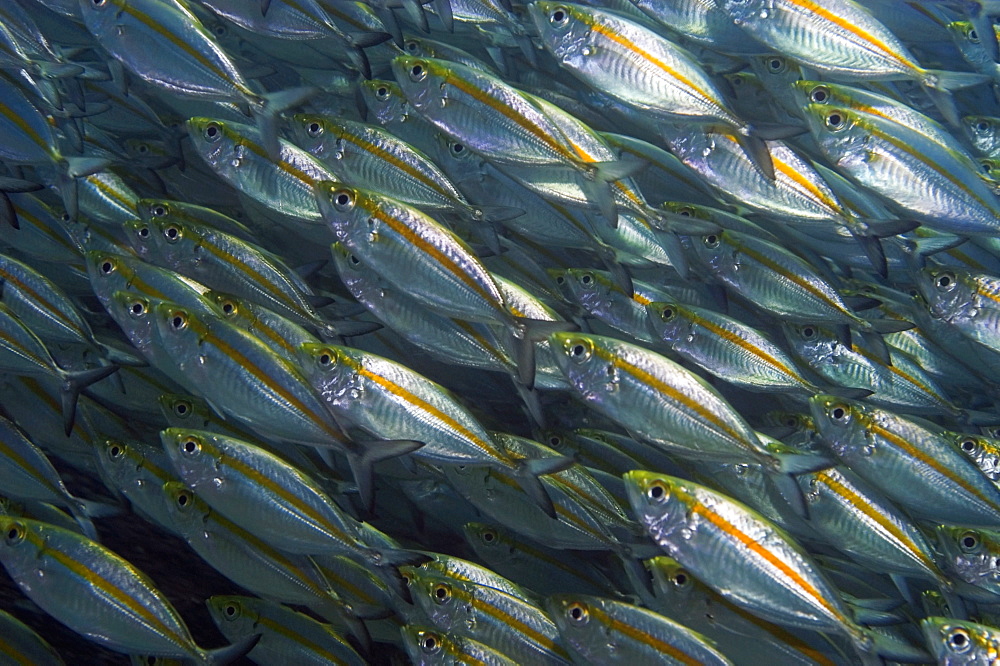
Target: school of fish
[(496, 332)]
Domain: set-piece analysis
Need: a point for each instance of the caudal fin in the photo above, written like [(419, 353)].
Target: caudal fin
[(72, 383), (364, 457)]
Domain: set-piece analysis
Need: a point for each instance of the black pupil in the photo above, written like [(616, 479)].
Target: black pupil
[(106, 267), (685, 212), (958, 639), (973, 35), (115, 451), (968, 445), (488, 536), (143, 232), (137, 308), (712, 240), (325, 359), (230, 610), (808, 332), (969, 541), (430, 643), (944, 281), (819, 96), (417, 70), (382, 92), (835, 119), (190, 446), (159, 211), (314, 127), (775, 64), (578, 350), (182, 409), (212, 131), (982, 127), (656, 492), (458, 148), (228, 308), (178, 322), (558, 16), (172, 232), (440, 593), (12, 533), (343, 199), (838, 413), (576, 612), (182, 500), (680, 579), (586, 279), (668, 313)]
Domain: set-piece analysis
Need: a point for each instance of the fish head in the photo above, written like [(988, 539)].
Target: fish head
[(667, 320), (437, 595), (659, 501), (959, 643), (108, 272), (946, 291), (328, 368), (212, 139), (338, 204), (231, 611), (841, 423), (192, 454), (588, 288), (21, 542), (571, 613), (384, 100), (422, 80), (816, 92), (141, 237), (576, 355), (311, 132), (966, 38), (101, 16), (180, 409), (187, 511), (972, 555), (563, 28), (671, 581), (982, 132), (424, 645), (839, 131)]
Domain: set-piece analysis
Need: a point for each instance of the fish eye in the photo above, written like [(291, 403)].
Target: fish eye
[(680, 579), (457, 149), (808, 332), (115, 450), (98, 3), (442, 593), (559, 17), (191, 446), (158, 211), (586, 279), (835, 121), (182, 408), (667, 313), (353, 259), (657, 492), (430, 643), (326, 359), (820, 95), (108, 267), (231, 611), (580, 350), (711, 241), (777, 65), (343, 200), (183, 499), (137, 309), (987, 167), (839, 413), (560, 279), (220, 30), (314, 129), (411, 46), (179, 321), (418, 72), (577, 613), (555, 441), (15, 534), (228, 307), (212, 132), (173, 233), (382, 93), (489, 536), (973, 36), (65, 217), (969, 541), (958, 640), (945, 281), (968, 445), (142, 232), (687, 211), (142, 148), (982, 126)]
